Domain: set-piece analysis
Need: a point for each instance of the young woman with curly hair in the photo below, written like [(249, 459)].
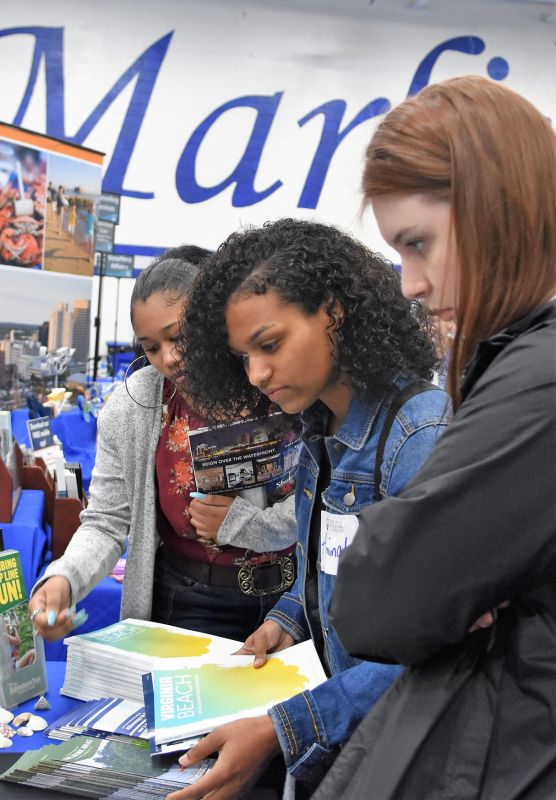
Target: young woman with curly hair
[(184, 556), (302, 315)]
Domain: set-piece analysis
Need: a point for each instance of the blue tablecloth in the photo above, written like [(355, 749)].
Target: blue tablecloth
[(19, 426), (29, 533), (264, 790), (103, 608), (78, 436), (60, 705)]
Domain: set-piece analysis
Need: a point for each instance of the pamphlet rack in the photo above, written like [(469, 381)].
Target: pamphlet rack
[(62, 513)]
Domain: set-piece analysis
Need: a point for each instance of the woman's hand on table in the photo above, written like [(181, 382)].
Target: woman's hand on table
[(245, 748), (50, 611)]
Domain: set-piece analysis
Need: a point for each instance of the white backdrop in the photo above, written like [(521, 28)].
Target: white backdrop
[(288, 58)]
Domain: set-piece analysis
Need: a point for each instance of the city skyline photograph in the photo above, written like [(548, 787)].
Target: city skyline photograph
[(30, 297)]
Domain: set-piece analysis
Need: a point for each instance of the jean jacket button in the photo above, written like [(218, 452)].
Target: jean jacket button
[(349, 499)]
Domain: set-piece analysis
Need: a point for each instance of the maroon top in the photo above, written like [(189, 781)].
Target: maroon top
[(175, 481)]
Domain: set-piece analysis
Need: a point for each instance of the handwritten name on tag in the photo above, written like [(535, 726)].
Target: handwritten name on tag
[(336, 533)]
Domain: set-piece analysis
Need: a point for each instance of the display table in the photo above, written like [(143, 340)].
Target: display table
[(78, 436), (29, 534), (268, 787), (20, 431), (60, 705)]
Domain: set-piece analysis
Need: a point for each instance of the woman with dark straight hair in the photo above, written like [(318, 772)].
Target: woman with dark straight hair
[(456, 576)]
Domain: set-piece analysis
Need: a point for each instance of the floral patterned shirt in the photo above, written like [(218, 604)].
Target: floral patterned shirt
[(175, 481)]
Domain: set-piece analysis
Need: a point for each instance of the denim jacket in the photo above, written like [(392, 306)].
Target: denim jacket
[(310, 726)]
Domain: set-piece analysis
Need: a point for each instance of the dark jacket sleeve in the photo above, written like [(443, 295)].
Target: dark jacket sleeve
[(475, 527)]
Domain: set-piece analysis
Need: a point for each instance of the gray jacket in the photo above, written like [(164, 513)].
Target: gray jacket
[(122, 504)]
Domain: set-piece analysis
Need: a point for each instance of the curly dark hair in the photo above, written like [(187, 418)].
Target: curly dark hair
[(311, 265)]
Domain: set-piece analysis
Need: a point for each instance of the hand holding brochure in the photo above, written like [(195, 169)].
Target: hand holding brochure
[(247, 453), (188, 697)]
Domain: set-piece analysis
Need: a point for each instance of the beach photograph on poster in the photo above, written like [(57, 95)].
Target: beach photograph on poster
[(45, 321), (22, 204), (73, 192)]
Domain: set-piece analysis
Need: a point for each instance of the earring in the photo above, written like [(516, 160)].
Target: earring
[(158, 405)]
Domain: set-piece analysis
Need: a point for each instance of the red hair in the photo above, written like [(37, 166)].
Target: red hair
[(492, 155)]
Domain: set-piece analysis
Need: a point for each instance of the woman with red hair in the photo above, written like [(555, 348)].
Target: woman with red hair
[(462, 181)]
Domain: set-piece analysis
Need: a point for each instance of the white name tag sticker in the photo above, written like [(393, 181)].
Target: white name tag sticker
[(336, 533)]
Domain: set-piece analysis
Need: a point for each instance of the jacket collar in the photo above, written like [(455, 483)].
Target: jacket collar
[(489, 349), (354, 430)]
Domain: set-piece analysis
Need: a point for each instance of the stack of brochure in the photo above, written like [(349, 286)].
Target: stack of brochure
[(110, 717), (111, 661), (98, 768), (189, 697)]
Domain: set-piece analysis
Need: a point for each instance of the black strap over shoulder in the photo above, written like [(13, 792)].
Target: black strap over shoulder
[(400, 399)]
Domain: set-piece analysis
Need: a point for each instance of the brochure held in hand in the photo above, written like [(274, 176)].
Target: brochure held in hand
[(246, 454), (190, 697)]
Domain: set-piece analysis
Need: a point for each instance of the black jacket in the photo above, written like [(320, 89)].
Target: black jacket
[(474, 715)]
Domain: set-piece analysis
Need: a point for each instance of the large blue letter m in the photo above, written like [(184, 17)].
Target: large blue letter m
[(49, 43)]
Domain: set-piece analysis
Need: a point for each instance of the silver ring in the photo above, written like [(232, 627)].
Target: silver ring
[(36, 612)]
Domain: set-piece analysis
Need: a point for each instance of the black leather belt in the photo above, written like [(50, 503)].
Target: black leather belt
[(268, 577)]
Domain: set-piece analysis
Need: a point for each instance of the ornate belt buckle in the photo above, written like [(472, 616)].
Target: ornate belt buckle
[(246, 577)]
